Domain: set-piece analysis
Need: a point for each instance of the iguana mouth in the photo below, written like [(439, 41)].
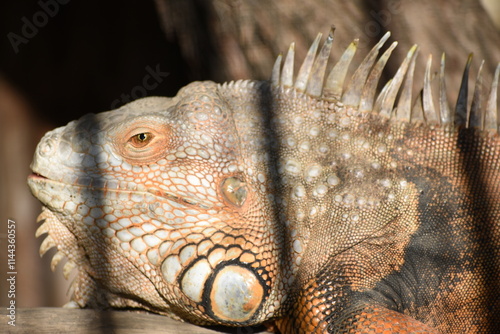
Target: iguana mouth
[(109, 186), (37, 176)]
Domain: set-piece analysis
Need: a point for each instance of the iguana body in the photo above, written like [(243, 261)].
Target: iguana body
[(298, 201)]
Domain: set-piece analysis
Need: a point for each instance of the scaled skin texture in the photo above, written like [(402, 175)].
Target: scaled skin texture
[(314, 204)]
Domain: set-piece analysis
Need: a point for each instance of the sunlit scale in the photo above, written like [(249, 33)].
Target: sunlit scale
[(236, 294), (194, 280)]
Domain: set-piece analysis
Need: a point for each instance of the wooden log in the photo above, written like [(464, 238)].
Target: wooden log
[(77, 321)]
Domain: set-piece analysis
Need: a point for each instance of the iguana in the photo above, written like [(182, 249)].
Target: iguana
[(311, 203)]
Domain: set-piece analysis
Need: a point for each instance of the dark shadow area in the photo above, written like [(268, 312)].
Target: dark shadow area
[(87, 132), (191, 23), (102, 51), (484, 212)]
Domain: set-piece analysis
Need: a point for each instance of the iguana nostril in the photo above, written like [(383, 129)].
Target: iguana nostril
[(47, 148), (234, 190)]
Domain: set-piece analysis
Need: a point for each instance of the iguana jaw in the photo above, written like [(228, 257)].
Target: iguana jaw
[(38, 182), (63, 221)]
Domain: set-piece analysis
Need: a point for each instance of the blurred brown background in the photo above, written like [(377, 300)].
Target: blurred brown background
[(62, 59)]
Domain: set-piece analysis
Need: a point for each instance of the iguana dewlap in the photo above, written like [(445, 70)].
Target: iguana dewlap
[(319, 206)]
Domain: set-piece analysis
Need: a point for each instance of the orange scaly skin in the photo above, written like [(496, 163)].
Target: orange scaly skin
[(304, 202)]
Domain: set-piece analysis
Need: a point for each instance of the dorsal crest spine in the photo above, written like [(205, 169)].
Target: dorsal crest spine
[(360, 91)]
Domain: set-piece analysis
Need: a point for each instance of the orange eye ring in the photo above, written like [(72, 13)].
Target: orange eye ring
[(141, 139)]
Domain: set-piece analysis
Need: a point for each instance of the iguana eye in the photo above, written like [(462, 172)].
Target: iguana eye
[(141, 139)]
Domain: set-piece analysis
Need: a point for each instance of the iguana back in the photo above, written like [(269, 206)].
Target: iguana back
[(314, 204)]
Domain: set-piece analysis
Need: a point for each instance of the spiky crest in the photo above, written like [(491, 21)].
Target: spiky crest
[(360, 91)]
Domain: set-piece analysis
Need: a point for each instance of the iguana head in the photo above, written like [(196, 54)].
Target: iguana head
[(202, 206), (160, 190)]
